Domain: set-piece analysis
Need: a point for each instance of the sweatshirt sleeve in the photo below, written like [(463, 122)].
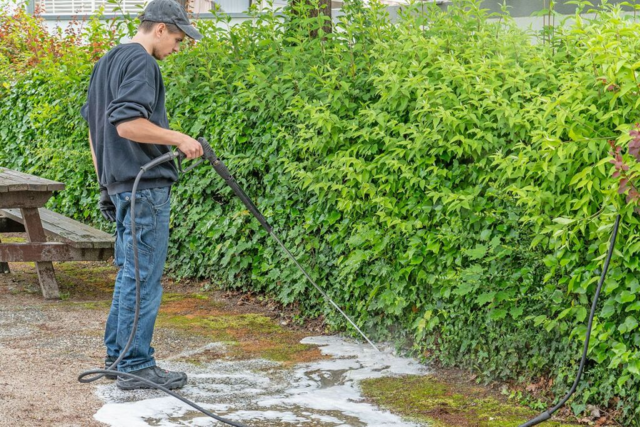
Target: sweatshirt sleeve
[(136, 94)]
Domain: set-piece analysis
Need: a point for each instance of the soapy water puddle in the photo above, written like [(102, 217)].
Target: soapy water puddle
[(263, 393)]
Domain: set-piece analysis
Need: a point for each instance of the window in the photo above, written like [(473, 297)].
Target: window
[(87, 7), (233, 6)]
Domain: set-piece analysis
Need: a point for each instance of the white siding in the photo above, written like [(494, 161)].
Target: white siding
[(86, 7), (233, 6)]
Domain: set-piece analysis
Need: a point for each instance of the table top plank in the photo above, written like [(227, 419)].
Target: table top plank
[(11, 180), (19, 181), (16, 181)]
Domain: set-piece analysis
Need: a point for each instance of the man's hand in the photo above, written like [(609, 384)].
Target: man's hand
[(107, 208), (190, 147)]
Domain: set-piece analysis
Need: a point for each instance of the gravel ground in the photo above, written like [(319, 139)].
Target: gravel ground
[(44, 345)]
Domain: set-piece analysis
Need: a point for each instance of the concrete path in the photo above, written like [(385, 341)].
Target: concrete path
[(259, 392)]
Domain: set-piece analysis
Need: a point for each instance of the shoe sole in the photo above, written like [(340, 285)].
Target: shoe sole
[(134, 385)]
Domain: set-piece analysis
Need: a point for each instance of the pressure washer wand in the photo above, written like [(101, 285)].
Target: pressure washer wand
[(224, 173)]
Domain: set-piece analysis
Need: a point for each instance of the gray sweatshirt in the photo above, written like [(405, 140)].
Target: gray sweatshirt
[(126, 84)]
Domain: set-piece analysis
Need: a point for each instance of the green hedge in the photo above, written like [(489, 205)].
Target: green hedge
[(445, 180)]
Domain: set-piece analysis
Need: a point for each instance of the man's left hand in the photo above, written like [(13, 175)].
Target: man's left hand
[(107, 208)]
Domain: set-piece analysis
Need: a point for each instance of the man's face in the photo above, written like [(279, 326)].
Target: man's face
[(166, 42)]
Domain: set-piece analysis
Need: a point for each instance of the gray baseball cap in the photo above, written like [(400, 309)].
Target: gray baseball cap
[(170, 12)]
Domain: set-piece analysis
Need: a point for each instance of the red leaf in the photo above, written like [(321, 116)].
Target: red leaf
[(634, 148), (624, 184)]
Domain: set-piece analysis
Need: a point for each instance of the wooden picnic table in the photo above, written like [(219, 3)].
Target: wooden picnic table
[(22, 200)]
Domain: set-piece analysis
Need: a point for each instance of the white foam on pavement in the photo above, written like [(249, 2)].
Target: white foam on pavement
[(262, 393)]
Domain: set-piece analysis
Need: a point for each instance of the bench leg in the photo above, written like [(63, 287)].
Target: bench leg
[(33, 226), (4, 266)]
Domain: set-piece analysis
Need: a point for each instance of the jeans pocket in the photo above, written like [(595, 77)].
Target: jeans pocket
[(160, 197), (155, 197)]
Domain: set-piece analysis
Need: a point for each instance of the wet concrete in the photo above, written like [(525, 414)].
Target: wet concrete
[(262, 393)]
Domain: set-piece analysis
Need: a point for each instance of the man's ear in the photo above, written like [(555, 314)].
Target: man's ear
[(160, 29)]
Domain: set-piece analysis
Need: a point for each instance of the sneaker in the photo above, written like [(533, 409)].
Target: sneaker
[(154, 374), (108, 361)]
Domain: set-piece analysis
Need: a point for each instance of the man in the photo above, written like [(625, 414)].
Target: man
[(128, 127)]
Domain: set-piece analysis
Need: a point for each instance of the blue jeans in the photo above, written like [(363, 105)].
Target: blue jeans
[(152, 234)]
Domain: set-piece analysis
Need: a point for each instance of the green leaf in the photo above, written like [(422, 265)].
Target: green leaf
[(478, 252), (629, 325), (516, 312), (564, 221), (333, 217), (626, 296), (464, 289), (622, 380), (538, 320), (564, 313), (416, 259), (633, 307), (485, 298), (634, 367), (498, 314)]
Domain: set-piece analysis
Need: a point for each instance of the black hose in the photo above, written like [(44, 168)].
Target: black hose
[(547, 414), (99, 373)]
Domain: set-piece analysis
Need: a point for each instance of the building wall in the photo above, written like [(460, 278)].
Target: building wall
[(521, 10), (233, 6), (525, 8)]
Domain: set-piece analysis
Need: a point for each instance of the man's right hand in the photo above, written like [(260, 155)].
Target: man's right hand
[(190, 147)]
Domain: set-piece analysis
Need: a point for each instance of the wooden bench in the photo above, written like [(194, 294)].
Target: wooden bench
[(52, 237), (68, 239)]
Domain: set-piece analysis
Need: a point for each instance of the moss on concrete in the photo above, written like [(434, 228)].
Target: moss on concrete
[(168, 297), (445, 404), (85, 279), (94, 305), (247, 335), (76, 280), (83, 305)]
